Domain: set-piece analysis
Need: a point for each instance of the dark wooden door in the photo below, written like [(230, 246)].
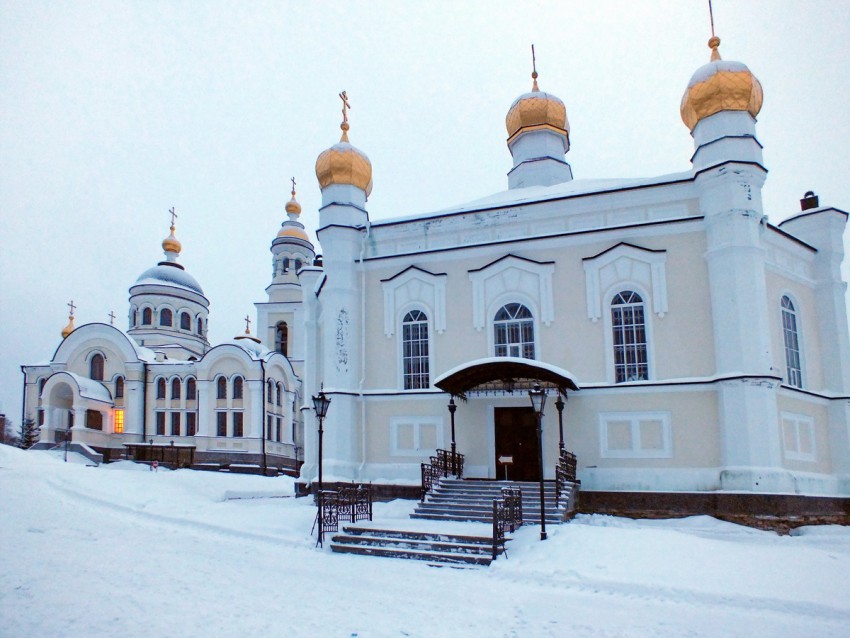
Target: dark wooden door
[(516, 436)]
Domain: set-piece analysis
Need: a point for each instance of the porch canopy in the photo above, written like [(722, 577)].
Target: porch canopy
[(504, 374)]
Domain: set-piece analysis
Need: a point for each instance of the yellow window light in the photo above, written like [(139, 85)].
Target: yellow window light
[(119, 421)]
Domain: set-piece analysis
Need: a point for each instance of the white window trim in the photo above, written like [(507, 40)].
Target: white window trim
[(635, 418), (800, 421), (400, 347), (415, 288), (496, 281), (499, 303), (623, 272), (610, 372), (416, 422), (801, 345)]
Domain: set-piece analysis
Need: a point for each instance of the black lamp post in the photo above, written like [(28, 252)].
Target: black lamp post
[(320, 404), (559, 404), (538, 400), (452, 409)]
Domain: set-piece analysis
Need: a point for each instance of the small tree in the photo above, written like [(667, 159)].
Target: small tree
[(28, 434)]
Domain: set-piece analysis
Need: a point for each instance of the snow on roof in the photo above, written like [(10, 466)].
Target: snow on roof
[(535, 194), (90, 389), (166, 275)]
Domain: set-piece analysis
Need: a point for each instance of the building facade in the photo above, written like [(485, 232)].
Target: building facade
[(709, 347)]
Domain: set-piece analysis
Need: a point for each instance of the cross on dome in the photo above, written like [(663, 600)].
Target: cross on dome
[(247, 325), (111, 318), (345, 106), (72, 307)]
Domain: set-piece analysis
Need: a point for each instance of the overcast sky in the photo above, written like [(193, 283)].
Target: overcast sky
[(113, 112)]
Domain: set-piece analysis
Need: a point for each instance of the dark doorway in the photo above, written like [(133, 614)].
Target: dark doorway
[(516, 436)]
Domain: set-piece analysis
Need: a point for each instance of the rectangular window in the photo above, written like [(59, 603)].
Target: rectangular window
[(119, 422), (238, 423), (415, 435), (798, 437), (175, 424), (94, 420), (160, 423), (279, 438), (269, 427), (41, 417), (221, 423), (637, 435), (191, 423)]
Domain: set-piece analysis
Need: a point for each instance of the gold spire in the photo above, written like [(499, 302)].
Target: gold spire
[(292, 206), (713, 43), (344, 126), (248, 334), (70, 327), (534, 86), (170, 244)]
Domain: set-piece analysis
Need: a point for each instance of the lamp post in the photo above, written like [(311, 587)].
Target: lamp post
[(559, 404), (538, 400), (452, 409), (320, 404)]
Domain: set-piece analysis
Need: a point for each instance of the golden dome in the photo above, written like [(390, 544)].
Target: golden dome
[(170, 244), (537, 110), (342, 163), (720, 86), (293, 231), (292, 206), (69, 328)]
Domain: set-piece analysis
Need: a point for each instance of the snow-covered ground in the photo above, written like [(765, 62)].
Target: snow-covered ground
[(120, 550)]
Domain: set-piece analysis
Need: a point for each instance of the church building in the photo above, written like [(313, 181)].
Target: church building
[(686, 343)]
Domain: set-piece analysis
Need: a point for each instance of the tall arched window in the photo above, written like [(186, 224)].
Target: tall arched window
[(793, 366), (165, 317), (237, 388), (134, 317), (147, 317), (160, 388), (414, 350), (119, 388), (221, 388), (185, 321), (41, 387), (514, 331), (191, 390), (281, 338), (279, 394), (175, 388), (96, 367), (200, 326), (270, 391), (629, 328)]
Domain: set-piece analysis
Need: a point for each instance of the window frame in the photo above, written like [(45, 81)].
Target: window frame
[(416, 422), (608, 330), (97, 374), (530, 321), (635, 346), (163, 313), (800, 422), (635, 419), (793, 377), (402, 343)]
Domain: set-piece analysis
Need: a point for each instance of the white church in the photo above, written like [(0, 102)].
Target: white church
[(694, 346)]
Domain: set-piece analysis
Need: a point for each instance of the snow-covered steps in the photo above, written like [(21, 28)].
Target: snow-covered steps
[(472, 500), (436, 547)]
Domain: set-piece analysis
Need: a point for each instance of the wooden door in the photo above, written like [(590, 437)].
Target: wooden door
[(516, 436)]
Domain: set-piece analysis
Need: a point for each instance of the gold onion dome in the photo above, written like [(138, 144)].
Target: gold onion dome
[(69, 328), (720, 85), (293, 231), (170, 244), (538, 110), (292, 206), (342, 163)]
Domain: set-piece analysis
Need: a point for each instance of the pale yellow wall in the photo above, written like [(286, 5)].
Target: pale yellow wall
[(797, 403)]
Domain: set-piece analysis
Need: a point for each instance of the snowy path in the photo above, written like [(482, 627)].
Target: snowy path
[(105, 551)]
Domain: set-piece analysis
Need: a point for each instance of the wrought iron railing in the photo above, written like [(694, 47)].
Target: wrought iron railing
[(507, 515), (348, 503), (565, 472), (443, 465)]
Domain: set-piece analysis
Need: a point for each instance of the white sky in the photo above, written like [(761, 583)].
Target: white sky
[(113, 112)]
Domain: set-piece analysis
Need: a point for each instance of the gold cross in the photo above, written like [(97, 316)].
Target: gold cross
[(345, 105), (173, 215), (247, 325), (293, 186)]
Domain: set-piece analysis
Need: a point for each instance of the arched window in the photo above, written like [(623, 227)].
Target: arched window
[(41, 386), (629, 328), (793, 366), (414, 350), (185, 321), (165, 317), (221, 388), (191, 390), (147, 317), (285, 264), (297, 265), (200, 326), (281, 338), (96, 367), (134, 317), (160, 388), (119, 388), (175, 388), (237, 388), (514, 331), (270, 392), (279, 394)]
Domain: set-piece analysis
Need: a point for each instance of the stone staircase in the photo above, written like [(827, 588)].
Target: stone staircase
[(434, 547), (472, 500)]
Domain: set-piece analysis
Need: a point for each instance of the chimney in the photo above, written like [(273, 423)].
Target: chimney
[(810, 200)]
